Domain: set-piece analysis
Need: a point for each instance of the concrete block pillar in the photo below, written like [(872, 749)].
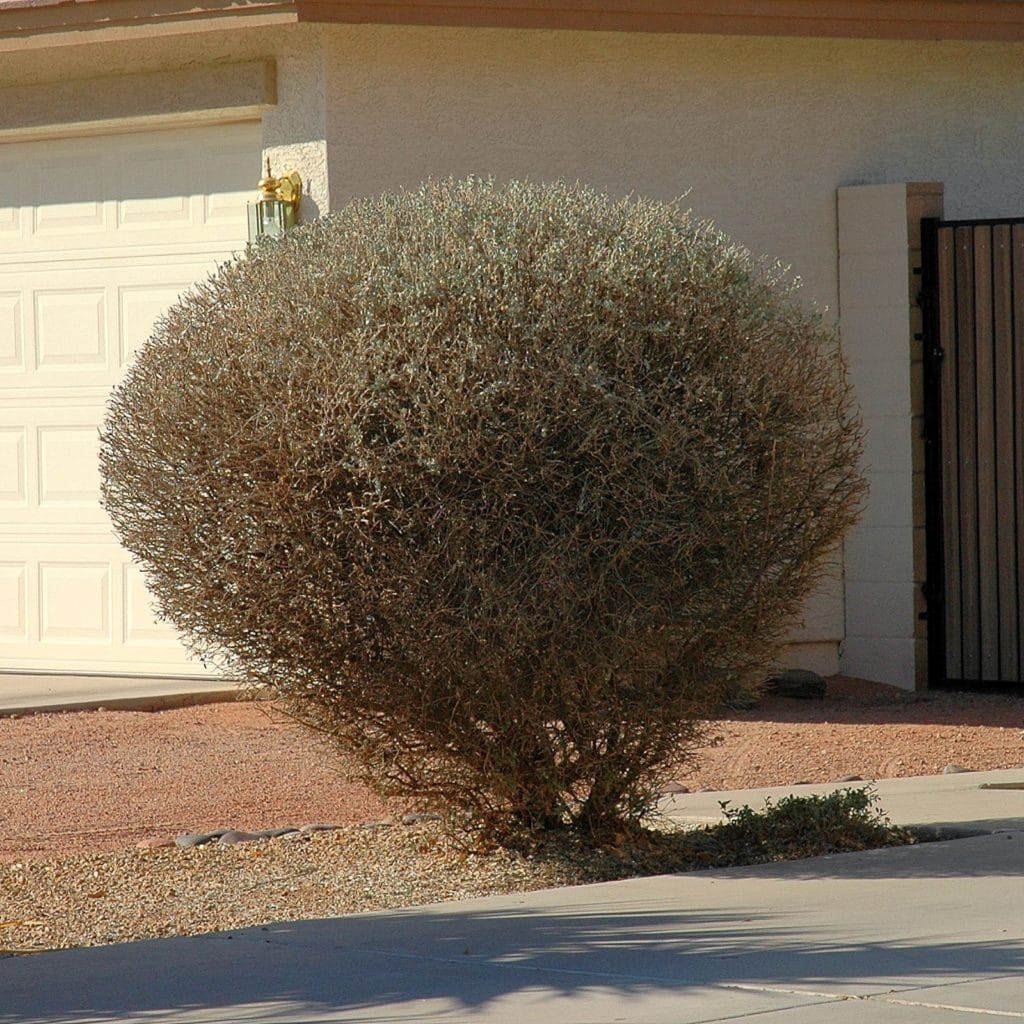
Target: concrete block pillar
[(878, 318), (295, 128)]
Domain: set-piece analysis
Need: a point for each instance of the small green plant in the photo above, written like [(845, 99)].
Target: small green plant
[(804, 826), (508, 489), (796, 827)]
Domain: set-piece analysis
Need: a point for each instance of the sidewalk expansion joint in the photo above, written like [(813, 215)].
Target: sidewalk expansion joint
[(780, 990), (918, 1004)]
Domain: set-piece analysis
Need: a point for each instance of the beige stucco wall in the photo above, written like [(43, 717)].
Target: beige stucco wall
[(760, 132)]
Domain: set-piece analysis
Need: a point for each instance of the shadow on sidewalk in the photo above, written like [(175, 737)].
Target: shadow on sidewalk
[(436, 964)]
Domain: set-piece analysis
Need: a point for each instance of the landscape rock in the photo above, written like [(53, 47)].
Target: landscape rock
[(419, 817), (316, 827), (796, 682), (187, 841), (154, 843), (954, 769), (674, 787), (851, 778), (235, 836)]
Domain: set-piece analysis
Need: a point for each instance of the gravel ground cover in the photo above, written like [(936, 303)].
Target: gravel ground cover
[(78, 791), (866, 729), (99, 898)]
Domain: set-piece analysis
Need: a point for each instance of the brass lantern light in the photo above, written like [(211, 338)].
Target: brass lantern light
[(277, 208)]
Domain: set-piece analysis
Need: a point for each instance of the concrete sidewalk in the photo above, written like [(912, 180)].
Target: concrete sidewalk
[(28, 693), (968, 801), (914, 935)]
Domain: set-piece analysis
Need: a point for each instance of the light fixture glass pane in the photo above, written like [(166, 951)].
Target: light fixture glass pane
[(270, 218)]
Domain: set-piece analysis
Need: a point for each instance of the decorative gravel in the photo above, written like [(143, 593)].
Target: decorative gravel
[(94, 899), (78, 791)]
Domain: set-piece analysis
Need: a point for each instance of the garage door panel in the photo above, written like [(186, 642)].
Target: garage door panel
[(81, 602), (65, 199), (141, 627), (138, 206), (71, 328), (222, 201), (149, 294), (102, 236), (74, 603), (68, 470), (12, 333), (10, 218), (112, 190), (140, 306), (13, 468), (64, 593), (67, 320), (13, 604), (49, 466), (87, 330)]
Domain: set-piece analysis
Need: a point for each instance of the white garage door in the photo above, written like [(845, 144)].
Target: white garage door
[(97, 236)]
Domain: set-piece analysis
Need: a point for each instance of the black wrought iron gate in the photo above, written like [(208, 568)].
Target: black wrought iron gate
[(973, 306)]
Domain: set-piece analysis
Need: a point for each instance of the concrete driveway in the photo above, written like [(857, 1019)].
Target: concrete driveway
[(930, 934)]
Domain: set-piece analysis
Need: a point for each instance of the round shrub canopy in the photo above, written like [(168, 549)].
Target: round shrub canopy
[(507, 488)]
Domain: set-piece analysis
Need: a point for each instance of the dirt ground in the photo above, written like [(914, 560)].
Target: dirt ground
[(104, 780)]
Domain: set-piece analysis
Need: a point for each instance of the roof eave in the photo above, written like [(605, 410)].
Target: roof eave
[(45, 23), (992, 20), (56, 22)]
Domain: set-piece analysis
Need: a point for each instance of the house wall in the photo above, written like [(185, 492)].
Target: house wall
[(759, 132)]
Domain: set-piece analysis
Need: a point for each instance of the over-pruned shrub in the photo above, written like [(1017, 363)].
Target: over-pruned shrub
[(505, 488)]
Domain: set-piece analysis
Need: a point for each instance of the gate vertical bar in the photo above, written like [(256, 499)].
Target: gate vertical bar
[(1017, 278), (966, 453), (932, 351), (986, 455), (948, 531), (1007, 525)]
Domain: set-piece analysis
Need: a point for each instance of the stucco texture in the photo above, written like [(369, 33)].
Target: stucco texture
[(760, 132), (757, 133)]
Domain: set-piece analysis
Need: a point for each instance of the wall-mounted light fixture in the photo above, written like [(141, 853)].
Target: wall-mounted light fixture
[(277, 208)]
